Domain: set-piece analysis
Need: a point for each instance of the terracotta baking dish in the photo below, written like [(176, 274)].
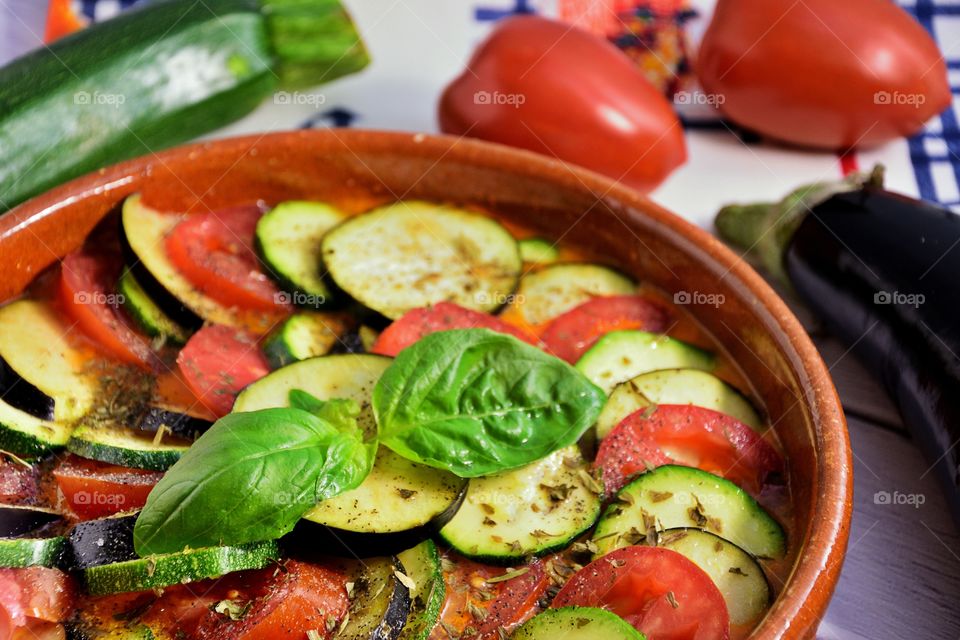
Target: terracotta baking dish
[(607, 220)]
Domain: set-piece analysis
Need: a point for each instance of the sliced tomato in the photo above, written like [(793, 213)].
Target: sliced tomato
[(18, 482), (484, 606), (87, 282), (658, 591), (569, 335), (34, 594), (217, 362), (442, 316), (214, 251), (278, 604), (687, 435), (97, 489)]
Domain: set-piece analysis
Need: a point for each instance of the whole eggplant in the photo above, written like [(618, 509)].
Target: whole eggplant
[(882, 270)]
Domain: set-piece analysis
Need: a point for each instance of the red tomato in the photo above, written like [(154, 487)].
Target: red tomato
[(34, 594), (18, 482), (817, 74), (658, 591), (280, 604), (548, 87), (97, 489), (217, 362), (569, 335), (505, 604), (688, 435), (87, 287), (214, 251), (440, 317)]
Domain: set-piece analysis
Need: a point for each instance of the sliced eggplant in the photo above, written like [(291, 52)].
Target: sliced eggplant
[(16, 520), (102, 541), (379, 600), (20, 394), (176, 422)]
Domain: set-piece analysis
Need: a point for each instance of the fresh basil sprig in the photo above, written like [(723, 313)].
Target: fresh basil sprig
[(253, 475), (476, 402)]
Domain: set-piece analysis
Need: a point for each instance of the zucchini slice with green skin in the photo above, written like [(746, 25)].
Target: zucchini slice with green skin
[(27, 435), (126, 447), (142, 239), (422, 565), (576, 623), (102, 541), (37, 345), (379, 601), (528, 511), (414, 254), (622, 355), (154, 572), (146, 314), (676, 386), (672, 496), (538, 251), (33, 552), (173, 71), (737, 575), (349, 376), (288, 241), (548, 292), (396, 506), (301, 336)]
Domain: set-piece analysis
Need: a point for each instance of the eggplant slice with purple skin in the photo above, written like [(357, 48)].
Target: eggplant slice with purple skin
[(880, 269)]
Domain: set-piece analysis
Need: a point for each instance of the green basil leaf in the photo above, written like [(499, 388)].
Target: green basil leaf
[(250, 478), (476, 402), (342, 413)]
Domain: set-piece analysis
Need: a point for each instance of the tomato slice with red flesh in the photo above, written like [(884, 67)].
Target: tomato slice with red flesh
[(473, 602), (18, 482), (217, 362), (686, 435), (569, 335), (442, 316), (96, 489), (658, 591), (34, 594), (214, 251), (87, 289), (284, 602)]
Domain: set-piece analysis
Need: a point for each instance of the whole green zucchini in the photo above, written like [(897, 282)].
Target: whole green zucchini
[(157, 76)]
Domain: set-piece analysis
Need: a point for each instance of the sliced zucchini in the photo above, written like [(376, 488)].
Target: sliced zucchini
[(737, 575), (36, 345), (32, 552), (143, 241), (102, 541), (422, 565), (675, 386), (27, 435), (415, 254), (350, 376), (527, 511), (397, 505), (301, 336), (19, 520), (577, 623), (673, 496), (154, 572), (379, 601), (622, 355), (288, 241), (538, 251), (178, 423), (546, 293), (145, 312), (127, 447)]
